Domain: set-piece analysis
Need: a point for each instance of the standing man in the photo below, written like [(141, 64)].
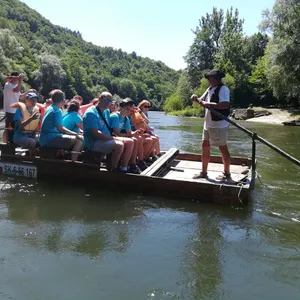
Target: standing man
[(11, 95), (215, 129)]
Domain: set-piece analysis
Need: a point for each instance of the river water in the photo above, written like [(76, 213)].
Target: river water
[(75, 242)]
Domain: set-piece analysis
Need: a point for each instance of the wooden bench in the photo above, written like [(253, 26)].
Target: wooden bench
[(8, 149), (93, 157)]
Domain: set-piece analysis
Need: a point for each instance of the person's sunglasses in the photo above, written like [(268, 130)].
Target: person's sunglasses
[(146, 106), (107, 100)]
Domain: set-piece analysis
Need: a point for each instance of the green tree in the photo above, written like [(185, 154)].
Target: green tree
[(184, 90), (50, 75), (200, 56), (283, 59), (10, 53), (173, 103), (230, 56)]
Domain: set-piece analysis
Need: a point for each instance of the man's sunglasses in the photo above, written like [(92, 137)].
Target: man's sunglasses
[(107, 100)]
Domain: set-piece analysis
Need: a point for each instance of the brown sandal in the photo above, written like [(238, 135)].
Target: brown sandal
[(200, 175)]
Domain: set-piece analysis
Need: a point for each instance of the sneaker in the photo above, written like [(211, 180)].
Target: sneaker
[(142, 165), (224, 176), (134, 169), (154, 157), (123, 170)]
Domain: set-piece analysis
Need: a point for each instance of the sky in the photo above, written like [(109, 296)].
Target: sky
[(158, 29)]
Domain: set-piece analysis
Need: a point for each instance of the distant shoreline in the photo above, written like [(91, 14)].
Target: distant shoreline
[(277, 116)]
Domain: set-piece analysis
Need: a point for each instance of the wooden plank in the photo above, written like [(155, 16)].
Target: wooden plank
[(197, 165), (161, 162), (188, 174), (214, 159), (7, 148)]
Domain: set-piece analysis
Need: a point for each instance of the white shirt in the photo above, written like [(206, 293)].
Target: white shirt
[(10, 97), (224, 96)]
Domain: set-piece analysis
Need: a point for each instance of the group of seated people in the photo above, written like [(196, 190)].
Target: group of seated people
[(102, 126)]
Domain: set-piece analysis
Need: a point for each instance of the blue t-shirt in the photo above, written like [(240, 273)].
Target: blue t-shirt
[(18, 132), (52, 118), (117, 121), (70, 121), (92, 119)]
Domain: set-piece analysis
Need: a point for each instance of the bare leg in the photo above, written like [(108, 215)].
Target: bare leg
[(154, 145), (140, 152), (77, 148), (157, 146), (116, 153), (205, 155), (133, 156), (148, 145), (225, 158), (127, 152)]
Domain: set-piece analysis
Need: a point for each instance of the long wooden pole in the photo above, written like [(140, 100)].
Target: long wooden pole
[(257, 137)]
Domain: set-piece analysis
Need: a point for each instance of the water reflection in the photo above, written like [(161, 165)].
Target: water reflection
[(93, 244)]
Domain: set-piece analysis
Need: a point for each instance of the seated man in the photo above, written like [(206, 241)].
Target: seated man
[(120, 123), (98, 135), (53, 134), (26, 122)]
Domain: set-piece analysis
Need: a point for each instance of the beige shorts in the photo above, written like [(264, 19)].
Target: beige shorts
[(63, 142), (104, 146), (215, 136)]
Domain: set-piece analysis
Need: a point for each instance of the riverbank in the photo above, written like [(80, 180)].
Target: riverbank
[(277, 116)]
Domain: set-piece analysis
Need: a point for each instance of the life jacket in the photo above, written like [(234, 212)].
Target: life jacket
[(138, 121), (215, 98), (34, 124)]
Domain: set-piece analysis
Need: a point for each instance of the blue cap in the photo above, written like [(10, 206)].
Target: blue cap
[(31, 95)]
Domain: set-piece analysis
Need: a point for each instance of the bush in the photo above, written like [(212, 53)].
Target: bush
[(190, 111), (173, 103)]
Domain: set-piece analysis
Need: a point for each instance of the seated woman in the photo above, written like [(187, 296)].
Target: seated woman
[(26, 122), (72, 120), (53, 133), (138, 123), (120, 123), (144, 106)]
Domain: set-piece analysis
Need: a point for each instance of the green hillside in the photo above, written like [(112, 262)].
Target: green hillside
[(56, 57)]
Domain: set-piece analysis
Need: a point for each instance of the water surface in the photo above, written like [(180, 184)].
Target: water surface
[(75, 242)]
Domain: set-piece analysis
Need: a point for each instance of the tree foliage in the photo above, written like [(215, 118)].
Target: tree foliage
[(50, 75), (283, 50), (30, 43), (253, 64)]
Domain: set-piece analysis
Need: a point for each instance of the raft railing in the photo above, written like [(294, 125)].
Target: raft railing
[(255, 137)]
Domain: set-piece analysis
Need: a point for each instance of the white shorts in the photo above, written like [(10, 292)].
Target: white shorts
[(216, 136)]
